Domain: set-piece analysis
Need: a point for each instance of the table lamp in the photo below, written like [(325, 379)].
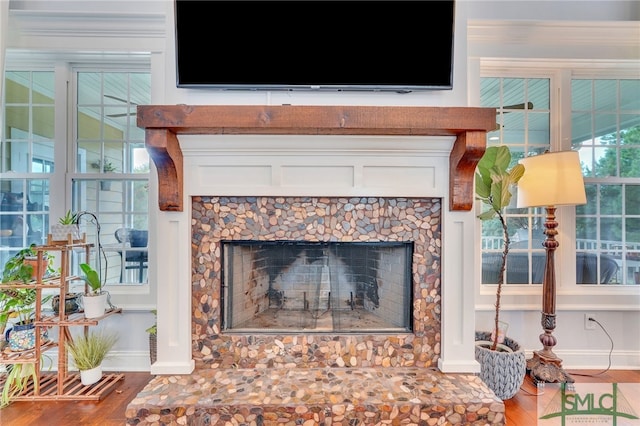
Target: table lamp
[(550, 179)]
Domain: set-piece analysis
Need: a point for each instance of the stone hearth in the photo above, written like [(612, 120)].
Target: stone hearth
[(317, 396)]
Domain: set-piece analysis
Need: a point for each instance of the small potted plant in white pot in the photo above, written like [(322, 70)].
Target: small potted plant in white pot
[(66, 228), (88, 351), (95, 299)]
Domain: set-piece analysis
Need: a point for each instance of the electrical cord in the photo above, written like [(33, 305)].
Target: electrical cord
[(610, 352), (101, 252)]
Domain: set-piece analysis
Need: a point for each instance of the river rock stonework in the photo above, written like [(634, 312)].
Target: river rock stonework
[(361, 219)]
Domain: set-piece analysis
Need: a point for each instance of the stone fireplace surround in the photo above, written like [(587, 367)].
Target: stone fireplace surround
[(407, 153), (341, 219)]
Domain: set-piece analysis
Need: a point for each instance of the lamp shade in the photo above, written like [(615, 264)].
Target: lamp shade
[(551, 179)]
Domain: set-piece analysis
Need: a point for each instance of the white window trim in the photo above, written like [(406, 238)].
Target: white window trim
[(129, 296), (569, 295)]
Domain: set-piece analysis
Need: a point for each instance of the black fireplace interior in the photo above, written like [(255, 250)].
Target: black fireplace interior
[(293, 286)]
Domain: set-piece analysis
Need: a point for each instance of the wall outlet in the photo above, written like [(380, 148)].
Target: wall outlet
[(589, 325)]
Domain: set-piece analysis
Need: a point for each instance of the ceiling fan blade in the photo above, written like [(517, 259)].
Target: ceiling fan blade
[(529, 105), (126, 114), (115, 98)]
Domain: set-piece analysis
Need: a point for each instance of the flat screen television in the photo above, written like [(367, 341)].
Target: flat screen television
[(400, 46)]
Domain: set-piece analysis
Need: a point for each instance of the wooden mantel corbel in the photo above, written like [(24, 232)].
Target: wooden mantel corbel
[(163, 124)]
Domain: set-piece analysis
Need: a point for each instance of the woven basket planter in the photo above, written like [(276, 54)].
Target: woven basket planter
[(503, 372)]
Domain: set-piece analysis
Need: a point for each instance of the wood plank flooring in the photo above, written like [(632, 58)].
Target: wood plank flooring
[(110, 411)]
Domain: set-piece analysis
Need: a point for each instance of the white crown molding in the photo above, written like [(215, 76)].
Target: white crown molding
[(618, 33), (86, 24)]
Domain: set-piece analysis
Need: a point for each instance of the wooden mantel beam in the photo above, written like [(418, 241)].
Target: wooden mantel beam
[(163, 123)]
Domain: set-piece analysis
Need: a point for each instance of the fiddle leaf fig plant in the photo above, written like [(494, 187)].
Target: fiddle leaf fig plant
[(494, 181)]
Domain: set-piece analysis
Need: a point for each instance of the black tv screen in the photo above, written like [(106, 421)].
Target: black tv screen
[(397, 46)]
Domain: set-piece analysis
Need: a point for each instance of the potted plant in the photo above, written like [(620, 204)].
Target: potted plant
[(19, 301), (17, 379), (88, 351), (153, 338), (22, 266), (67, 225), (502, 361), (95, 299), (105, 166)]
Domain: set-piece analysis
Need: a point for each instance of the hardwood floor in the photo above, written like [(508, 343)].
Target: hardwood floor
[(520, 410), (110, 411)]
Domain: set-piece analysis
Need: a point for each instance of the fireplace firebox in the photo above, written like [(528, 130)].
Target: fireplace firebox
[(294, 286)]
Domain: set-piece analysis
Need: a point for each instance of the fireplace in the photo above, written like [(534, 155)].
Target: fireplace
[(299, 286), (333, 154)]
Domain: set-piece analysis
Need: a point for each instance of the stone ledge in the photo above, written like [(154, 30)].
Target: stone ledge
[(361, 396)]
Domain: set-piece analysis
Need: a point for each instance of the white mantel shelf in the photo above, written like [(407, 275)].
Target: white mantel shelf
[(163, 124)]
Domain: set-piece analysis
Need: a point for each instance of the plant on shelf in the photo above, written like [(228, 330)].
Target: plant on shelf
[(66, 228), (17, 380), (88, 351), (69, 218), (23, 264), (95, 299), (493, 182), (18, 301), (15, 300), (92, 278)]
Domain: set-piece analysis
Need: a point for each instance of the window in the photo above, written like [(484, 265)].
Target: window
[(605, 130), (605, 124), (107, 175), (112, 168), (523, 117), (27, 159)]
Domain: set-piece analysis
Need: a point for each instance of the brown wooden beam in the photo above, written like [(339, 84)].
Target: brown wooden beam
[(164, 149), (465, 154), (164, 122)]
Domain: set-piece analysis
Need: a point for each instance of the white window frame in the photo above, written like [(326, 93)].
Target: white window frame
[(132, 296), (569, 295)]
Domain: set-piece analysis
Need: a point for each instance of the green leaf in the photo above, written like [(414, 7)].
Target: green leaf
[(92, 277), (489, 214), (483, 189)]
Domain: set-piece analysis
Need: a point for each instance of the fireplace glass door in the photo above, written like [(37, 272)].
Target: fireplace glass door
[(292, 286)]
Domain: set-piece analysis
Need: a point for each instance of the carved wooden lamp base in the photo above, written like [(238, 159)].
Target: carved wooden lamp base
[(547, 370)]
